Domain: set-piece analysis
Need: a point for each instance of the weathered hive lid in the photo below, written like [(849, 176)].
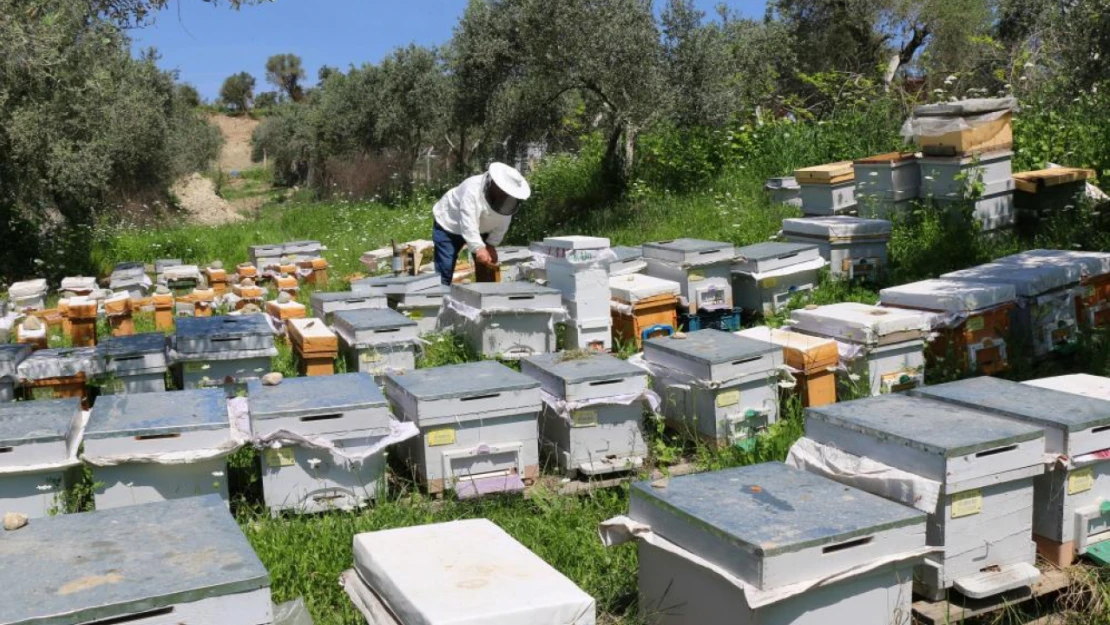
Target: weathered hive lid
[(145, 343), (11, 354), (28, 288), (591, 367), (1038, 406), (510, 254), (771, 249), (830, 173), (171, 412), (1078, 383), (764, 510), (466, 573), (239, 332), (962, 108), (710, 347), (840, 226), (634, 287), (692, 251), (341, 296), (782, 182), (97, 566), (1034, 181), (399, 285), (78, 283), (859, 322), (577, 243), (889, 158), (371, 319), (313, 396), (935, 427), (458, 381), (1029, 278), (165, 263), (61, 362), (42, 421), (625, 254), (128, 270), (956, 296), (1087, 264)]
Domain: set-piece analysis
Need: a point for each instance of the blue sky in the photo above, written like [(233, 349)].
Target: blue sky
[(207, 44)]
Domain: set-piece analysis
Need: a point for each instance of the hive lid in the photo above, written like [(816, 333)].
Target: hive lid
[(464, 380), (371, 319), (837, 226), (146, 343), (61, 362), (935, 427), (341, 296), (78, 283), (961, 108), (1029, 278), (771, 249), (395, 285), (712, 347), (28, 288), (11, 354), (97, 566), (466, 573), (624, 254), (312, 396), (957, 296), (859, 322), (889, 158), (686, 246), (782, 182), (577, 243), (829, 173), (587, 368), (223, 327), (1088, 264), (506, 288), (162, 264), (1079, 383), (171, 412), (1039, 406), (513, 254), (42, 421), (771, 508), (1034, 181), (634, 287)]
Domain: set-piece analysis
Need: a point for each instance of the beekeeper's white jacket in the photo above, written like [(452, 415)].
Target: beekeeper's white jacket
[(465, 211)]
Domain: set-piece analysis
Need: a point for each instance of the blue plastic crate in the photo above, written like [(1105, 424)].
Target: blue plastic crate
[(727, 320)]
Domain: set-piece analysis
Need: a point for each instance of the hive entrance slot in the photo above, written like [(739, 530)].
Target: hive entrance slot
[(1102, 428), (156, 437), (745, 360), (131, 618), (995, 452), (387, 331), (605, 382), (521, 297), (479, 397), (6, 450), (324, 417), (859, 542), (784, 257)]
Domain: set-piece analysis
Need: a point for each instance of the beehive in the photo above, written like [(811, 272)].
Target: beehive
[(130, 277), (425, 575), (11, 355), (626, 260), (506, 320), (856, 248), (591, 421), (119, 312), (766, 527), (1041, 194), (702, 268), (38, 439), (266, 254), (510, 259), (886, 184), (812, 359), (971, 320), (60, 373), (286, 311), (287, 283), (400, 285), (217, 280), (324, 304), (315, 346), (766, 276), (576, 267), (222, 352), (827, 189), (122, 427), (135, 364), (181, 277), (78, 286), (163, 310), (784, 190), (317, 270), (1067, 514), (643, 307), (478, 426), (421, 306), (28, 295), (983, 468), (964, 127), (885, 345), (346, 410), (715, 385), (376, 341), (196, 304), (1093, 291), (244, 271), (986, 180), (129, 572)]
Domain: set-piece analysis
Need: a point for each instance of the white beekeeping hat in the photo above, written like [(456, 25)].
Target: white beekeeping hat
[(510, 181)]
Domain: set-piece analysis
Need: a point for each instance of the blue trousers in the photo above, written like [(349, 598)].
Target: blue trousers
[(447, 248)]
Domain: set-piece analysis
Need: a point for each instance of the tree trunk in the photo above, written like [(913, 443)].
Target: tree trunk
[(905, 54), (620, 154)]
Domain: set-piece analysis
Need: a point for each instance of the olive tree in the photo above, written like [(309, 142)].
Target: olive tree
[(285, 72), (237, 92)]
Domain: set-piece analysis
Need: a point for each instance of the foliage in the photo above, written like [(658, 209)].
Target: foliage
[(188, 95), (410, 102), (266, 100), (285, 72), (284, 138), (237, 92)]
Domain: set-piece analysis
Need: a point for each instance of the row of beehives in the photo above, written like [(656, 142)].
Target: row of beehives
[(956, 488)]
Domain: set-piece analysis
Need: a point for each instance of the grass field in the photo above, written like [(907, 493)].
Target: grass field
[(306, 554)]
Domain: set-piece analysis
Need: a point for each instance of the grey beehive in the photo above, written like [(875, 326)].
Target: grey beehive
[(36, 434)]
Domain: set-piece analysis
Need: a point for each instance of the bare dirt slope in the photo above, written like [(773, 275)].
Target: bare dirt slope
[(236, 153), (197, 197)]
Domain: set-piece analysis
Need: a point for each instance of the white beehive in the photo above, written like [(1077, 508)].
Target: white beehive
[(1046, 311), (11, 355), (985, 179), (507, 319), (576, 266), (422, 306), (885, 347), (828, 199), (766, 527), (135, 426), (478, 426), (182, 561), (376, 341), (78, 286), (591, 423), (856, 248), (222, 352), (511, 259), (37, 440), (130, 277), (1094, 273), (721, 387), (459, 573), (766, 276), (982, 467), (1067, 515), (135, 364), (626, 260), (182, 277), (324, 304), (28, 295), (784, 190), (349, 412), (398, 285), (635, 287), (703, 268), (886, 184)]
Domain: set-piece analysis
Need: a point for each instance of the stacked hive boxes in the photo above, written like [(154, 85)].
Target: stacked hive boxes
[(222, 352), (1067, 498), (509, 320), (643, 307), (60, 373), (883, 348), (478, 426), (576, 266), (28, 295), (766, 276), (813, 361), (971, 320), (887, 184), (592, 412), (157, 446), (970, 471), (716, 386), (855, 248), (704, 271), (40, 440), (78, 286), (827, 189), (376, 340), (323, 439), (315, 346), (1093, 289), (135, 364), (771, 545), (130, 277)]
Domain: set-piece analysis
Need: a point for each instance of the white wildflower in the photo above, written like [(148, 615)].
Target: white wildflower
[(217, 474), (45, 487)]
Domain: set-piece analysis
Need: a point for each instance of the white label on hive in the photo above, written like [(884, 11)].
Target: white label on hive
[(728, 398), (584, 418), (1081, 480), (282, 457), (967, 503), (437, 438)]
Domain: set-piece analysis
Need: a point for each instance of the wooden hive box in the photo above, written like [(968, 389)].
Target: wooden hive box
[(814, 358), (315, 346), (82, 314), (643, 307), (286, 311), (119, 311), (319, 269), (163, 310), (244, 271), (987, 137), (830, 173)]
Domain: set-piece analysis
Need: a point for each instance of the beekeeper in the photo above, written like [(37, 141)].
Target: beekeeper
[(476, 214)]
